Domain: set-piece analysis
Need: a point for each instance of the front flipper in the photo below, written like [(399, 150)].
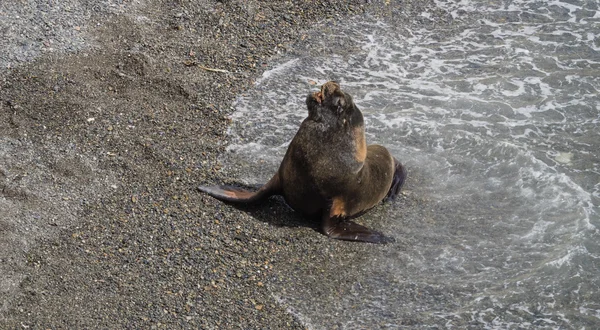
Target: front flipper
[(237, 195), (336, 225)]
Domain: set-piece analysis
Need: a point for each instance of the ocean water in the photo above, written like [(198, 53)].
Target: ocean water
[(497, 116)]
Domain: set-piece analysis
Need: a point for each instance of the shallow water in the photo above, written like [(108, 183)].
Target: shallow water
[(498, 116)]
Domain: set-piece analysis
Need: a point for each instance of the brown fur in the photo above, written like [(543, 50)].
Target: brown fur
[(361, 146), (329, 170)]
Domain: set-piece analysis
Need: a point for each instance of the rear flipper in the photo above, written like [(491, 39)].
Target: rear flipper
[(397, 182), (335, 225), (236, 195)]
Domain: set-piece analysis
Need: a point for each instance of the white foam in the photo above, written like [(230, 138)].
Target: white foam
[(594, 312), (279, 69), (482, 116), (569, 255)]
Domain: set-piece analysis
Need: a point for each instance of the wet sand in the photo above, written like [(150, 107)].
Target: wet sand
[(110, 117)]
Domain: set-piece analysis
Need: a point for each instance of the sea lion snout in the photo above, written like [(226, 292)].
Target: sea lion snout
[(314, 102), (318, 96)]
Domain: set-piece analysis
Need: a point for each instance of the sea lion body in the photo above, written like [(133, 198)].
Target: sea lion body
[(328, 169)]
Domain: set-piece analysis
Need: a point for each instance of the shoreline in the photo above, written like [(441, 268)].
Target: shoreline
[(102, 148)]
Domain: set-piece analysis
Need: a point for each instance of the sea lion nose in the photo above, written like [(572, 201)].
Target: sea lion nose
[(318, 96)]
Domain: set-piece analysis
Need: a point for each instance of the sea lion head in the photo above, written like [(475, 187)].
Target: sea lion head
[(331, 102)]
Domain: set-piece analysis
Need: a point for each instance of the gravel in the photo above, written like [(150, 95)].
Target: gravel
[(111, 113)]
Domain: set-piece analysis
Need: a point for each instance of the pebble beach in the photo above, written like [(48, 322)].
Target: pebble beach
[(111, 114)]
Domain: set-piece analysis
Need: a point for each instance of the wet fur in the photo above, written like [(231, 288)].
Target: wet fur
[(328, 169)]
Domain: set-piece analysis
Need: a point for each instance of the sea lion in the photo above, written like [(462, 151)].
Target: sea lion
[(328, 169)]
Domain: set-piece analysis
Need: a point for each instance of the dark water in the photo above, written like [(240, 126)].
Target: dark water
[(499, 115)]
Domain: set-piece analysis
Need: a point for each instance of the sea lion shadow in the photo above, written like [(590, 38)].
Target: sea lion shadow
[(274, 211)]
